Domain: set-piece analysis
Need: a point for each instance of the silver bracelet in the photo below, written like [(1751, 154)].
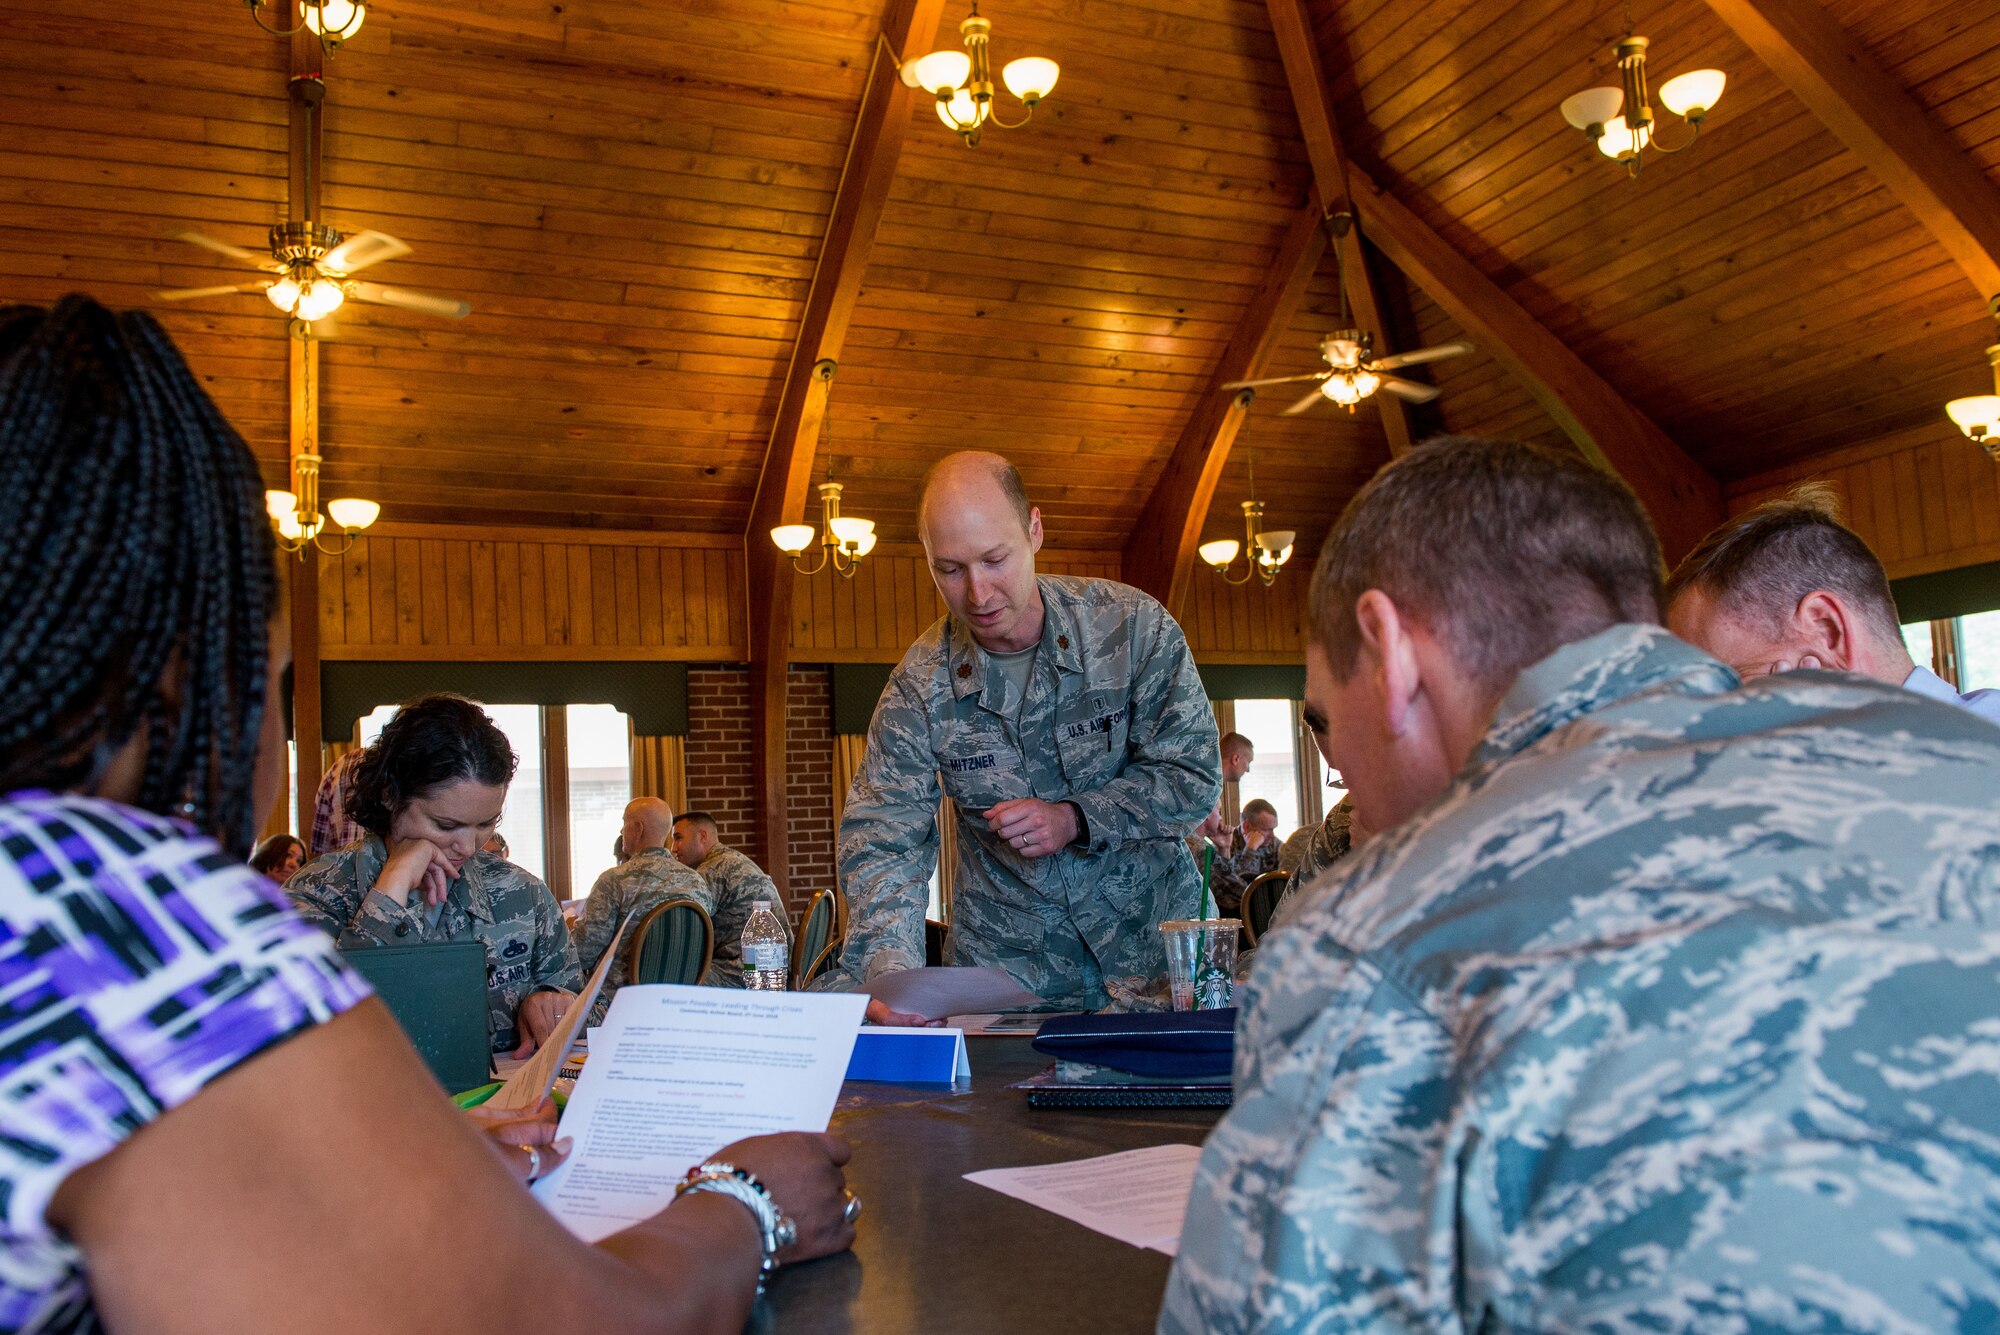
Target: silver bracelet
[(775, 1229)]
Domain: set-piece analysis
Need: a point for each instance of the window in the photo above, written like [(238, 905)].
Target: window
[(521, 822), (600, 785), (1979, 651), (1917, 638), (1274, 773)]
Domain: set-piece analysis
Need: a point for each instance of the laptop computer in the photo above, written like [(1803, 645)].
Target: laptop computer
[(438, 994)]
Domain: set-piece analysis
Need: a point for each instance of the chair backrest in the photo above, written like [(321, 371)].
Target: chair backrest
[(1260, 901), (935, 936), (673, 943), (815, 934)]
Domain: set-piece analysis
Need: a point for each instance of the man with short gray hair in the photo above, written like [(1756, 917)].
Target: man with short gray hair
[(1786, 585), (1656, 1002)]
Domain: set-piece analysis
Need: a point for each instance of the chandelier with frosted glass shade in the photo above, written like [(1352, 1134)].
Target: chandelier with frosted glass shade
[(962, 82), (332, 21), (1620, 120)]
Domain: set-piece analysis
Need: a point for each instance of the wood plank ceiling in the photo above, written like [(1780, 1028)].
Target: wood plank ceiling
[(632, 198)]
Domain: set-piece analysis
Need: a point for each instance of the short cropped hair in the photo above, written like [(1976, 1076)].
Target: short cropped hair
[(1002, 472), (437, 740), (1236, 741), (1257, 806), (1766, 560), (701, 820), (1505, 551)]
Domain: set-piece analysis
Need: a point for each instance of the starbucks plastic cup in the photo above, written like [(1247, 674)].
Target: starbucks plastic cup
[(1201, 962)]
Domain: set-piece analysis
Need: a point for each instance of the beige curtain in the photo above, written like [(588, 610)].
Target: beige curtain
[(848, 750), (330, 752), (1312, 791), (659, 769)]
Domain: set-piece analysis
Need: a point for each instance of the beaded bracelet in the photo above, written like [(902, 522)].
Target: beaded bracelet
[(775, 1229)]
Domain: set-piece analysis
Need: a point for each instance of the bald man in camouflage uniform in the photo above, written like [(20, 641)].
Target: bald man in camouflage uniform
[(503, 907), (648, 877), (1065, 719), (1673, 1009)]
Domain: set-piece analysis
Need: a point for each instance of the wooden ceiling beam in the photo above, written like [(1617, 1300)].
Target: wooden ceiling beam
[(1682, 498), (1881, 124), (782, 486), (1313, 101), (1160, 556)]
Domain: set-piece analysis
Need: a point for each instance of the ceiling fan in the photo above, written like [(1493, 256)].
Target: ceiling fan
[(315, 265), (1354, 372)]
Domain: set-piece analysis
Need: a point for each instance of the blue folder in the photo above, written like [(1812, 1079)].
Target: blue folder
[(1185, 1045)]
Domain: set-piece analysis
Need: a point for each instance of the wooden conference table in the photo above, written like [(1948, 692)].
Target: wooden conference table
[(937, 1253)]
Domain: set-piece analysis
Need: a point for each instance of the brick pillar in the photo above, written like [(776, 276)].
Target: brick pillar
[(718, 752), (809, 780)]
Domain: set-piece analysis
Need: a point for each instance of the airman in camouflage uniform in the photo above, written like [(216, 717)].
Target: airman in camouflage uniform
[(648, 878), (1325, 844), (737, 883), (1676, 1011), (1113, 720), (503, 907)]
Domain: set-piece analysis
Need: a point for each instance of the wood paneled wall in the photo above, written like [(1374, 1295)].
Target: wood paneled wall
[(409, 591), (489, 593), (1926, 499)]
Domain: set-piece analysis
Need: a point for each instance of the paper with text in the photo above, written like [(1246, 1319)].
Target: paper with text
[(1139, 1197), (675, 1073)]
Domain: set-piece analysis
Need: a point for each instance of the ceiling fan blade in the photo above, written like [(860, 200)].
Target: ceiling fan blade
[(402, 297), (1303, 404), (1278, 380), (1418, 355), (1409, 391), (191, 293), (207, 242), (361, 250)]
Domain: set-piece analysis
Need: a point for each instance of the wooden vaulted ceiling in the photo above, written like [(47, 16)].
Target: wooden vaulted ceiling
[(632, 197)]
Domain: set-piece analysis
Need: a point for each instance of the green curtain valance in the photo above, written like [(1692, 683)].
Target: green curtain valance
[(653, 694)]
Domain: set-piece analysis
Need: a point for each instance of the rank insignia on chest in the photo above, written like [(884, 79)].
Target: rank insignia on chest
[(1062, 641), (965, 669)]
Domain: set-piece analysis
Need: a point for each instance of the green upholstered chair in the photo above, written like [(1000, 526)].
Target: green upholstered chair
[(1260, 901), (673, 943), (817, 941)]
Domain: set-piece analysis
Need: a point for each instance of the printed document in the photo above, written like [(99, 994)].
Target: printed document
[(937, 992), (675, 1073), (1139, 1197)]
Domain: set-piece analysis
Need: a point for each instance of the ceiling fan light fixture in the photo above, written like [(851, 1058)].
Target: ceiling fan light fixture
[(319, 298), (1693, 94), (1593, 106), (284, 293)]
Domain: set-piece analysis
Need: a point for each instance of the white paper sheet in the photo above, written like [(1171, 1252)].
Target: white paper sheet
[(939, 992), (676, 1073), (1138, 1197)]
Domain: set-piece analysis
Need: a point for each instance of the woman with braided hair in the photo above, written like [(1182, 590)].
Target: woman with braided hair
[(206, 1120)]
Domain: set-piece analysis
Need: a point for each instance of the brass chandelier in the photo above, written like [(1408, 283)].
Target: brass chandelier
[(1978, 416), (1620, 120), (962, 82), (295, 515), (1268, 549), (332, 21), (844, 539)]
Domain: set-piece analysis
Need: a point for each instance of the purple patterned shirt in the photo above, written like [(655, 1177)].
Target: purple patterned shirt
[(138, 962)]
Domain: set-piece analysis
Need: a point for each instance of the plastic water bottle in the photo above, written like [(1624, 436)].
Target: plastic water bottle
[(767, 950)]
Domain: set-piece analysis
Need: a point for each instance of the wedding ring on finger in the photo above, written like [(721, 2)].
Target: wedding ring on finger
[(534, 1162), (851, 1211)]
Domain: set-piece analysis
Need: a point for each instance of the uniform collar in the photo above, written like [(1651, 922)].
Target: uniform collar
[(1926, 682), (372, 854), (1590, 674), (971, 668)]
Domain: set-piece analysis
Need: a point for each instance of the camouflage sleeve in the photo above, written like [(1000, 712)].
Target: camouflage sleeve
[(329, 898), (1315, 1205), (593, 929), (889, 842), (555, 953), (1174, 776)]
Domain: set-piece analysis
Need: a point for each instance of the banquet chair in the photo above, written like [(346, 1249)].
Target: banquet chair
[(673, 943)]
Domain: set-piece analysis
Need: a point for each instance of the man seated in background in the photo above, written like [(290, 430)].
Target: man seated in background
[(737, 884), (649, 876), (1250, 851), (1787, 585), (1658, 1002)]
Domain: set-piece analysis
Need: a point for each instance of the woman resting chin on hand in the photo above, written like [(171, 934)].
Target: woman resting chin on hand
[(428, 793), (216, 1127)]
